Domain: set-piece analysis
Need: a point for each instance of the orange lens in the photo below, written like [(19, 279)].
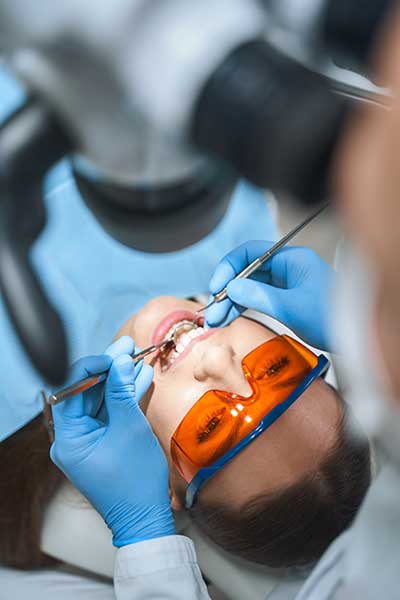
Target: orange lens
[(219, 420)]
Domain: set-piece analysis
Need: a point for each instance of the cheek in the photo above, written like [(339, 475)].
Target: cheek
[(245, 335), (167, 406)]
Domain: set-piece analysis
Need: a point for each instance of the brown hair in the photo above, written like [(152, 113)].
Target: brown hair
[(283, 529), (293, 527), (28, 479)]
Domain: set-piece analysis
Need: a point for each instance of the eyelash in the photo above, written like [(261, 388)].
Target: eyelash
[(275, 367), (211, 422)]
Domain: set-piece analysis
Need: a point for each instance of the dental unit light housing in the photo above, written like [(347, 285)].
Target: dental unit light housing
[(163, 105)]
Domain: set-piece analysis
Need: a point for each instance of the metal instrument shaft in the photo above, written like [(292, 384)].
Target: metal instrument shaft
[(92, 380), (88, 382), (255, 264)]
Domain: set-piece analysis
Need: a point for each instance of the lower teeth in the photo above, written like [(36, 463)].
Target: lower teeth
[(183, 329)]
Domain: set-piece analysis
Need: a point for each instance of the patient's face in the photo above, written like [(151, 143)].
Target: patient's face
[(292, 446)]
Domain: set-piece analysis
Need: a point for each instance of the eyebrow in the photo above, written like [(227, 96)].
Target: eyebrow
[(298, 378), (227, 444)]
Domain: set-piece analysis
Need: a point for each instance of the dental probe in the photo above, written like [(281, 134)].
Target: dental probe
[(92, 380), (253, 266)]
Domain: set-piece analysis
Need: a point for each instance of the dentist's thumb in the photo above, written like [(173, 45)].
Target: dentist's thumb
[(124, 388), (258, 296)]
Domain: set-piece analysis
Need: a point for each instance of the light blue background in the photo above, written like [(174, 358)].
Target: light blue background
[(96, 283)]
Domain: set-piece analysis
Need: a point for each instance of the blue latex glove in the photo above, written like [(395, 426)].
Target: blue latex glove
[(112, 455), (293, 287)]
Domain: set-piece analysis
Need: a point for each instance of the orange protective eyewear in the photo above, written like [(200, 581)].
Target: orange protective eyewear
[(220, 420)]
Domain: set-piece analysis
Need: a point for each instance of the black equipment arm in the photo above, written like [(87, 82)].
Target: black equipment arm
[(30, 143)]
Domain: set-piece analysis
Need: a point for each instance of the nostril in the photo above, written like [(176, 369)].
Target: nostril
[(220, 367), (200, 374)]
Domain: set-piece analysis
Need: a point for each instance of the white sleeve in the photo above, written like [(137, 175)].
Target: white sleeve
[(50, 584), (164, 568)]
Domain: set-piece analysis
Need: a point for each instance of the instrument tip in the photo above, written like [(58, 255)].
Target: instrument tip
[(52, 399)]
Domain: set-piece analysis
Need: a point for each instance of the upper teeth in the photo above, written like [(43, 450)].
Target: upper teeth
[(184, 339), (181, 325)]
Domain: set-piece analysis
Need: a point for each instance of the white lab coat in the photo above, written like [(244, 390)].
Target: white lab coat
[(164, 568), (167, 569), (159, 569), (364, 561), (52, 584)]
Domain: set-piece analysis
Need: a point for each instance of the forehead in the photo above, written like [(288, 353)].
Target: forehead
[(291, 448)]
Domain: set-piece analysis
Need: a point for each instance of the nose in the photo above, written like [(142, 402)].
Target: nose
[(219, 367)]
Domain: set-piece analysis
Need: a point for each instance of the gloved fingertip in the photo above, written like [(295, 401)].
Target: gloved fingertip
[(122, 373), (125, 365), (238, 291), (126, 339), (261, 297), (222, 274), (215, 314), (148, 371), (138, 367), (89, 365), (143, 381), (235, 286), (215, 286), (107, 361), (124, 345)]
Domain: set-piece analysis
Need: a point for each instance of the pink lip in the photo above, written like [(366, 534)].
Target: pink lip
[(190, 346), (165, 325)]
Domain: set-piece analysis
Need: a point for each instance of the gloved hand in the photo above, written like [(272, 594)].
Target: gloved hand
[(294, 287), (112, 456)]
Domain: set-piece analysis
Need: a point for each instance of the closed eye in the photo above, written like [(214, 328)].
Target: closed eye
[(272, 367), (228, 442)]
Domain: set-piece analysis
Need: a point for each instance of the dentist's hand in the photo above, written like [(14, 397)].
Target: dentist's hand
[(112, 455), (293, 287)]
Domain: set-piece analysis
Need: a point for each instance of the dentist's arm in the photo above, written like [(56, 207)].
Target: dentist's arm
[(293, 287), (114, 459)]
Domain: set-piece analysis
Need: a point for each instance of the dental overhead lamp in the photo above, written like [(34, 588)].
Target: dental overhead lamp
[(163, 105)]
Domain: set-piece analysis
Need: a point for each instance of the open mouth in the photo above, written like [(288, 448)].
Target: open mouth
[(184, 329)]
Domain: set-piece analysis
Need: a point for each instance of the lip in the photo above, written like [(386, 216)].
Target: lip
[(164, 326), (190, 346)]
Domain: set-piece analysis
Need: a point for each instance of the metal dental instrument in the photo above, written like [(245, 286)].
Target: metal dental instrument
[(253, 266), (92, 380)]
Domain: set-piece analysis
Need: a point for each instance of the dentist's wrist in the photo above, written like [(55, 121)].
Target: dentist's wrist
[(129, 527)]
